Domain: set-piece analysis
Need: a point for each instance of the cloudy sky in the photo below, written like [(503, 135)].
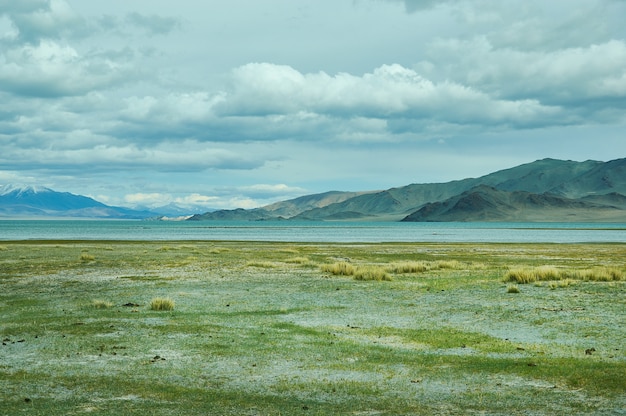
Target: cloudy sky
[(240, 103)]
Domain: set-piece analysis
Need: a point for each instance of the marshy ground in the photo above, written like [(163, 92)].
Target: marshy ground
[(293, 328)]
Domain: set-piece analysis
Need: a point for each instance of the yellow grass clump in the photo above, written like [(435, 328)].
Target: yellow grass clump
[(552, 273), (162, 304), (410, 267), (341, 268), (448, 264), (261, 264), (423, 266), (85, 257), (298, 260), (534, 274), (359, 273), (598, 274), (512, 289), (101, 304), (371, 273)]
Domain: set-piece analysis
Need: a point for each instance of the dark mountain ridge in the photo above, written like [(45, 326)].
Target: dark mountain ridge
[(485, 203)]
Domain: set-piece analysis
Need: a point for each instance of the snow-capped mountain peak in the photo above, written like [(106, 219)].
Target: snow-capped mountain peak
[(39, 201), (24, 189)]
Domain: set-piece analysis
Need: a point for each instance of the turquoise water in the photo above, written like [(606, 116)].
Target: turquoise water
[(311, 231)]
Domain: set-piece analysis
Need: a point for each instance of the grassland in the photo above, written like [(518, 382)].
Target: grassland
[(282, 328)]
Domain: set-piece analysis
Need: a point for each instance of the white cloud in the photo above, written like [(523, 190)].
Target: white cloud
[(172, 157), (390, 91), (568, 77), (50, 69), (153, 200), (195, 200), (153, 24), (413, 6), (36, 20), (22, 6), (148, 200), (270, 191)]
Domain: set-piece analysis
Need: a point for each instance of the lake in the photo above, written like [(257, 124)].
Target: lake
[(291, 231)]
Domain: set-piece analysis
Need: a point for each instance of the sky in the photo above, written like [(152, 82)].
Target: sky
[(241, 103)]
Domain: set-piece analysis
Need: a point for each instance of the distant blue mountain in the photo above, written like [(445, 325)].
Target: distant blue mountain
[(31, 201)]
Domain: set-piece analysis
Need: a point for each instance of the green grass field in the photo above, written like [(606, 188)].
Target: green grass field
[(245, 328)]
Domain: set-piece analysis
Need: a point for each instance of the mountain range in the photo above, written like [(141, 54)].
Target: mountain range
[(541, 191), (32, 201), (544, 190)]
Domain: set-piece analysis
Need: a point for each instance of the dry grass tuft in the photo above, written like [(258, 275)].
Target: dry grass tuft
[(341, 268), (359, 273), (448, 264), (424, 266), (552, 273), (298, 260), (512, 289), (371, 273), (162, 304), (261, 264), (599, 274), (86, 257), (410, 267), (101, 304), (534, 274)]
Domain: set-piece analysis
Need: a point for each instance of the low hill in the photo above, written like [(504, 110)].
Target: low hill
[(293, 207), (238, 214), (279, 210)]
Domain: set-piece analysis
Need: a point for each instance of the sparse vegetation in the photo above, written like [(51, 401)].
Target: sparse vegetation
[(274, 340)]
